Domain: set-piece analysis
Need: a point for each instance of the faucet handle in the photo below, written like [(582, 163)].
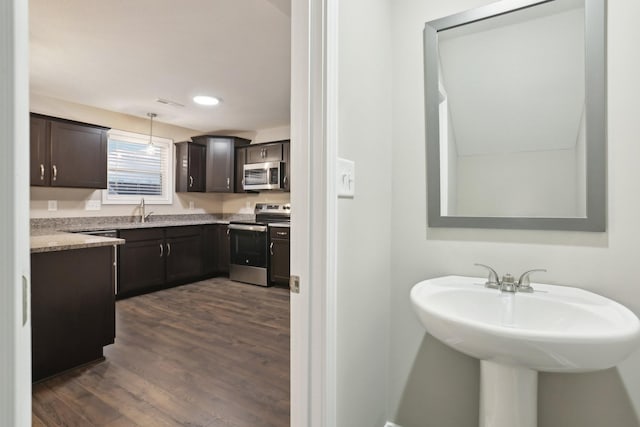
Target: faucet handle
[(492, 281), (524, 282)]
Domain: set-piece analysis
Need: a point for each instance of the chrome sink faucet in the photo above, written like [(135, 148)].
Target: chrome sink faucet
[(507, 283), (143, 217)]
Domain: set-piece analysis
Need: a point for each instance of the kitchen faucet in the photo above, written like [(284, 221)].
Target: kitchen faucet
[(143, 217)]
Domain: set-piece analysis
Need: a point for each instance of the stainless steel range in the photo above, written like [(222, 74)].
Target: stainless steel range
[(249, 243)]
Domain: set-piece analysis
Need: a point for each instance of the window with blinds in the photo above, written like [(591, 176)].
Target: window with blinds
[(136, 169)]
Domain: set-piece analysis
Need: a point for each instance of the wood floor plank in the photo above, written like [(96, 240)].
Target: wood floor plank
[(213, 354)]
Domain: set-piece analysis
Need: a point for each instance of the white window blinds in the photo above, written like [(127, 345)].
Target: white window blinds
[(137, 169)]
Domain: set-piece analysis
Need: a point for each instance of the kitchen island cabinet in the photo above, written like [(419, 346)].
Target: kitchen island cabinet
[(72, 308)]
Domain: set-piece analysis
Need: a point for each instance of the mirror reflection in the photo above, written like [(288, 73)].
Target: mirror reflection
[(512, 114), (515, 109)]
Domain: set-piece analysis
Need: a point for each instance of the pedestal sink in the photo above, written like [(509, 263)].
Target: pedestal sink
[(515, 335)]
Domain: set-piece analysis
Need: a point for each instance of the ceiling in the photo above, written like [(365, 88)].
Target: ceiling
[(122, 55)]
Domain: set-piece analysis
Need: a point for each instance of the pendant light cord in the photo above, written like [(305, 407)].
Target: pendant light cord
[(151, 116)]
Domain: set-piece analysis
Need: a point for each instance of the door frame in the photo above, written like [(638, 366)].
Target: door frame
[(15, 325), (314, 128), (313, 242)]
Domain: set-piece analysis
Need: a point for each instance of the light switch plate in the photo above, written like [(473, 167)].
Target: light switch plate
[(52, 205), (92, 205), (346, 178)]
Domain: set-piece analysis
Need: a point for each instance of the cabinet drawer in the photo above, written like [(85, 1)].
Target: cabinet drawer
[(140, 234), (279, 232)]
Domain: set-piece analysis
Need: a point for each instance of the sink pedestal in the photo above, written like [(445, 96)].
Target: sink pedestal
[(508, 395)]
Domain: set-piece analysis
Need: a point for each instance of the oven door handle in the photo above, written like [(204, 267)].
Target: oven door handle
[(246, 227)]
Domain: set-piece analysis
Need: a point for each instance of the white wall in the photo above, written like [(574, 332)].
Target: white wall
[(363, 277), (71, 201), (431, 385)]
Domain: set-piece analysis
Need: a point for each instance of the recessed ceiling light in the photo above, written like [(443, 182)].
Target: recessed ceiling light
[(206, 100)]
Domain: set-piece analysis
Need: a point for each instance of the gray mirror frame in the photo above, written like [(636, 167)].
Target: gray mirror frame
[(596, 160)]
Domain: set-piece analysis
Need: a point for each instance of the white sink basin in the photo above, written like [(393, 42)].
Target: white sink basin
[(554, 329)]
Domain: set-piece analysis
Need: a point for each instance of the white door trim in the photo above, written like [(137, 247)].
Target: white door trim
[(15, 326), (313, 197)]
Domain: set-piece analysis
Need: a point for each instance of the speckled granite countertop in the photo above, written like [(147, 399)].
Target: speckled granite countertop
[(65, 241), (57, 234)]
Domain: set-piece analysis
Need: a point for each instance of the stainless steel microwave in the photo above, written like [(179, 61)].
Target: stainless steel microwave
[(264, 176)]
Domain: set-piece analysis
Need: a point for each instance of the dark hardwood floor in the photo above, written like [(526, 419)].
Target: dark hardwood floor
[(213, 353)]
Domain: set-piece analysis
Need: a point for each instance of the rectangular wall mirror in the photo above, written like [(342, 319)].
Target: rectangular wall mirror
[(516, 116)]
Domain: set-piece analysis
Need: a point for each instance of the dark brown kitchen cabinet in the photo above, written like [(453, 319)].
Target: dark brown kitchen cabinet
[(216, 248), (141, 260), (210, 249), (241, 159), (72, 308), (190, 167), (40, 154), (67, 154), (224, 249), (279, 255), (258, 153), (183, 253), (220, 161), (152, 258)]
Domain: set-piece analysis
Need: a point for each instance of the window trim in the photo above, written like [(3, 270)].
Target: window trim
[(167, 198)]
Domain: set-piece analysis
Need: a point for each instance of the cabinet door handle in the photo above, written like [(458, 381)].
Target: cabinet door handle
[(161, 250), (55, 172), (285, 179), (41, 172), (228, 182), (168, 249), (228, 231), (190, 181), (271, 248)]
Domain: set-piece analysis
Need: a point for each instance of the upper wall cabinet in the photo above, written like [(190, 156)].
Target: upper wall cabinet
[(271, 152), (67, 154), (190, 167), (220, 161)]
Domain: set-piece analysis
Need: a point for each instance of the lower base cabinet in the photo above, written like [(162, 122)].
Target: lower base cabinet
[(72, 308), (216, 250), (141, 260), (154, 258), (279, 255)]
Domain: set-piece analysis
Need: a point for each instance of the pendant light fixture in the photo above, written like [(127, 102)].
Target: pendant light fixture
[(151, 117)]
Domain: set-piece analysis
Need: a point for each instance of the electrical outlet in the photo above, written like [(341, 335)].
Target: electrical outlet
[(52, 205), (92, 205)]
